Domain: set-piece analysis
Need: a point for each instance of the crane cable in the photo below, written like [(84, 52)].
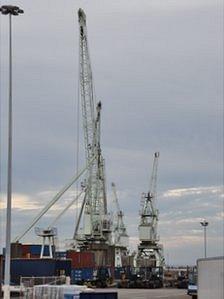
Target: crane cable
[(55, 199), (66, 208)]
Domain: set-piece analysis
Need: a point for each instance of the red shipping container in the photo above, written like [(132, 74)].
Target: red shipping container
[(81, 259)]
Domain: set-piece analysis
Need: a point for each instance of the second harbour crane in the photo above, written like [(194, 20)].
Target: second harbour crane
[(150, 252)]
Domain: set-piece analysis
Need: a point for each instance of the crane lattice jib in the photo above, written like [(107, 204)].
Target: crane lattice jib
[(86, 87), (115, 197), (119, 226), (88, 108), (95, 199), (153, 181), (150, 198)]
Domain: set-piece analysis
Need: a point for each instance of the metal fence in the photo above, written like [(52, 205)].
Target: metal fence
[(27, 284)]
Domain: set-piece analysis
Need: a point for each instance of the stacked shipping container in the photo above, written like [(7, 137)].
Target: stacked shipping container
[(38, 268), (83, 264), (19, 250), (80, 260)]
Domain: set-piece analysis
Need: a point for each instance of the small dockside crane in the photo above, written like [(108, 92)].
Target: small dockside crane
[(150, 252)]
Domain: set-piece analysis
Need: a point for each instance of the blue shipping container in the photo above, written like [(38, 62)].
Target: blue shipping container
[(81, 274), (36, 249), (38, 267), (87, 274), (63, 267), (76, 275), (32, 267)]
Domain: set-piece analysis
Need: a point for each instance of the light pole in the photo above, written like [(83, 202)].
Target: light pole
[(204, 224), (11, 11)]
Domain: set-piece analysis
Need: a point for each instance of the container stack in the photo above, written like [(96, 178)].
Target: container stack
[(82, 265), (38, 268)]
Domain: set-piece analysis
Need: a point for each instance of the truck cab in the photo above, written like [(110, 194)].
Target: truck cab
[(192, 284)]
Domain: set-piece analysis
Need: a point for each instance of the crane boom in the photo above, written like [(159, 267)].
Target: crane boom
[(95, 209), (86, 87), (65, 210), (115, 197)]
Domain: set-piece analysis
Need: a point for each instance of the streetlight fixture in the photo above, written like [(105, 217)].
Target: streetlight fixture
[(11, 11), (204, 224)]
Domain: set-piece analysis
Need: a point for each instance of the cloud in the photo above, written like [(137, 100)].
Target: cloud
[(20, 202), (39, 200), (174, 193), (181, 241)]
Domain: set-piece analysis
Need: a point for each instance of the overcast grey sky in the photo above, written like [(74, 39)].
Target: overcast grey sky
[(158, 70)]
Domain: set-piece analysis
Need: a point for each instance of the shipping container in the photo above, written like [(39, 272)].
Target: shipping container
[(87, 274), (60, 254), (76, 276), (84, 274), (39, 268), (104, 254), (81, 259), (35, 249), (25, 251), (31, 267), (63, 267), (16, 250), (99, 295)]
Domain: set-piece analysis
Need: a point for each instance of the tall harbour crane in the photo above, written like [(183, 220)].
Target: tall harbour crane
[(119, 230), (149, 250), (97, 225)]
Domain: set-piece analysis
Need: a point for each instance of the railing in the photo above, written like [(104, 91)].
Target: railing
[(27, 284)]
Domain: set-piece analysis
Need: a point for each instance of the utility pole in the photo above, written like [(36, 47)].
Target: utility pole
[(11, 11), (204, 224)]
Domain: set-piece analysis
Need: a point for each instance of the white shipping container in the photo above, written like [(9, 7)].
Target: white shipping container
[(210, 278)]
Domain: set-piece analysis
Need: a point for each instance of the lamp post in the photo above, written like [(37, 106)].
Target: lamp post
[(204, 224), (11, 11)]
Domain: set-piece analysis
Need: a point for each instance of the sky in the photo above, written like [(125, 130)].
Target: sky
[(158, 71)]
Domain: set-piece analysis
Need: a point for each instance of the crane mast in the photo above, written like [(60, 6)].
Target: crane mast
[(149, 250), (96, 220), (119, 231), (149, 213)]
